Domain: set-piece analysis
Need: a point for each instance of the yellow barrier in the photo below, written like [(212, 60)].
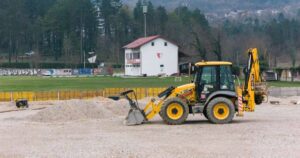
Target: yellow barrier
[(76, 94)]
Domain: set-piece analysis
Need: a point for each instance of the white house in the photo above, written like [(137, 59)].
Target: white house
[(151, 56)]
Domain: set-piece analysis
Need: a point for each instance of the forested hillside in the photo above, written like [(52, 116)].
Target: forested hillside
[(62, 30), (220, 5)]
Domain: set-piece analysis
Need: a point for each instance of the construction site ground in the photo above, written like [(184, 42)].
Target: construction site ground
[(94, 128)]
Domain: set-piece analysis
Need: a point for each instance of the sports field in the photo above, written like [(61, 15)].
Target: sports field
[(83, 83), (92, 83)]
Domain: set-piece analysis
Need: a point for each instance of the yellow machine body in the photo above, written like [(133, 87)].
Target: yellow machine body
[(186, 91), (219, 106)]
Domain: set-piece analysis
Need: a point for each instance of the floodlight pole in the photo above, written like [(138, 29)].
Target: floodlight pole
[(145, 23), (84, 59), (145, 10)]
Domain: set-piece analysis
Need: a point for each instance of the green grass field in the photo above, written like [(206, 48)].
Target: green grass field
[(92, 83)]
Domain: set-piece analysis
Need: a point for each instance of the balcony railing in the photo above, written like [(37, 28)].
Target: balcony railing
[(133, 61)]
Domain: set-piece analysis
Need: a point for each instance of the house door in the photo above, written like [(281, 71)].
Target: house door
[(162, 68)]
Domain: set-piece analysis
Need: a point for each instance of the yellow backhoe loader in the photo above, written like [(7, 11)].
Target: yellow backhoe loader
[(213, 93)]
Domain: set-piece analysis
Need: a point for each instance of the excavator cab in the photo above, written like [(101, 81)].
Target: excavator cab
[(211, 77), (215, 90)]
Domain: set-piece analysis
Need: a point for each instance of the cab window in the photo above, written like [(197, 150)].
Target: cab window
[(226, 79), (208, 74), (208, 78)]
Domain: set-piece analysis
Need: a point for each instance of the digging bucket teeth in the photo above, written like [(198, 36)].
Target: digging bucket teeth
[(135, 115)]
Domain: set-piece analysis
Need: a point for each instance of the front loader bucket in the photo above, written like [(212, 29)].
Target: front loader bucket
[(134, 117)]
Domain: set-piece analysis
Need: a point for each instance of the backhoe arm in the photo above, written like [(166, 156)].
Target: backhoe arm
[(254, 89)]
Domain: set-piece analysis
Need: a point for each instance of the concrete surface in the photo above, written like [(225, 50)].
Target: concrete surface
[(272, 131), (284, 91)]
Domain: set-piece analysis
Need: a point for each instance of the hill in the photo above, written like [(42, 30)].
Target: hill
[(223, 8), (220, 5)]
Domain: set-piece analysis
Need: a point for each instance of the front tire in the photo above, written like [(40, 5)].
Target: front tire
[(220, 110), (174, 111)]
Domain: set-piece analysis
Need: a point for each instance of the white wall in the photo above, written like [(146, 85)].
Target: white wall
[(150, 63)]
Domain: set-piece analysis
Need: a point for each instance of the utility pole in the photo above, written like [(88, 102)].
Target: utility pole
[(81, 44), (145, 10), (84, 59), (81, 36)]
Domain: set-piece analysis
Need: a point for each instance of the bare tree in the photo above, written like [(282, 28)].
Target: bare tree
[(199, 46), (217, 48)]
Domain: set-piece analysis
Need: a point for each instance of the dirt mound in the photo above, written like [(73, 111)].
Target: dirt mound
[(81, 110)]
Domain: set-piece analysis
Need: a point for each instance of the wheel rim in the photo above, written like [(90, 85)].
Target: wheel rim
[(221, 111), (174, 111)]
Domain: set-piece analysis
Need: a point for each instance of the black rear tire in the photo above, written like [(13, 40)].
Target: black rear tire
[(220, 110), (182, 116), (258, 99), (204, 113)]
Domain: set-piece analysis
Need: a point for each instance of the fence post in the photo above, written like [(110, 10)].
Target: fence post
[(11, 96)]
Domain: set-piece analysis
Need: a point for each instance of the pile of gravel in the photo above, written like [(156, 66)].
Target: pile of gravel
[(82, 110)]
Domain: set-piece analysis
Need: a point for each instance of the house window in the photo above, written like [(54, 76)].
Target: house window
[(166, 43), (152, 43), (127, 56), (135, 55), (131, 56)]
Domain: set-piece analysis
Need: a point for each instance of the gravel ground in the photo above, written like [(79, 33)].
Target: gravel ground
[(272, 131)]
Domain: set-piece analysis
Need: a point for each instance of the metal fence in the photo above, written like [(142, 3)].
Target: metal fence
[(76, 94)]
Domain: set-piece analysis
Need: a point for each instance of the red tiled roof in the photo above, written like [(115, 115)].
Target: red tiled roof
[(141, 41)]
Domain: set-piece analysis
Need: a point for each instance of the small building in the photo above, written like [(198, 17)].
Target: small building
[(270, 75), (286, 74), (151, 56)]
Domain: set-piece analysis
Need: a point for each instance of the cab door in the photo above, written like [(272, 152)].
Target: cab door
[(226, 78), (207, 82)]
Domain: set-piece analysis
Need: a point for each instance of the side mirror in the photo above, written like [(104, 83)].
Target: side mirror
[(192, 81)]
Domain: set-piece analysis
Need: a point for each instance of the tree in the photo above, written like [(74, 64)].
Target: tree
[(199, 47), (62, 30), (14, 27), (161, 20), (138, 19), (108, 11), (217, 48), (199, 17), (71, 19)]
